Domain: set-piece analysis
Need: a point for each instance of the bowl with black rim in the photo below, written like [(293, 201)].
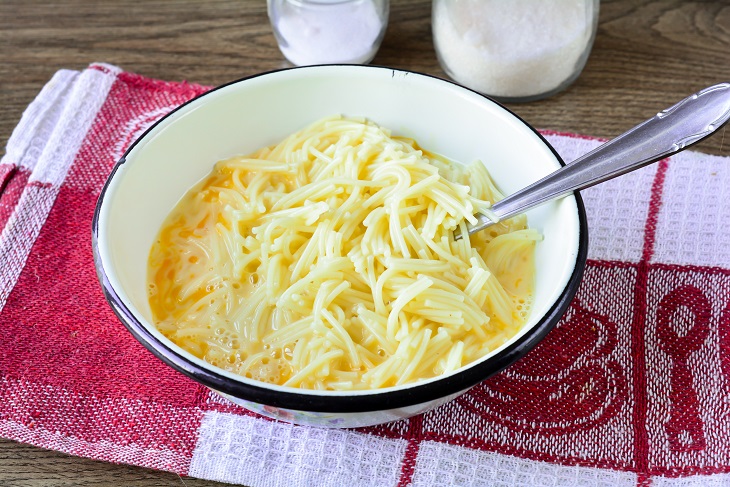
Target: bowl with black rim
[(240, 117)]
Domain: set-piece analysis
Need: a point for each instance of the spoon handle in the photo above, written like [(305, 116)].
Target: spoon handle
[(667, 133)]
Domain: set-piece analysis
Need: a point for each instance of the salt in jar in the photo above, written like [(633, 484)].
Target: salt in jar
[(328, 31), (514, 50)]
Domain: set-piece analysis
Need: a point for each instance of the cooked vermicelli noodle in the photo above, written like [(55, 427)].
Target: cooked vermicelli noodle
[(328, 262)]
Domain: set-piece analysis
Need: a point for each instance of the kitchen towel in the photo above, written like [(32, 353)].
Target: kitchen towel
[(631, 388)]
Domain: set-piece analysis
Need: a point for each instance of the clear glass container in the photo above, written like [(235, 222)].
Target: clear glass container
[(514, 50), (329, 31)]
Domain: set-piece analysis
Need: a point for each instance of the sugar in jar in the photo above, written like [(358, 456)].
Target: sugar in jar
[(514, 50)]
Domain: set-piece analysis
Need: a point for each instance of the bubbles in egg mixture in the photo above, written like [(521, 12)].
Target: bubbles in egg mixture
[(269, 369), (523, 305)]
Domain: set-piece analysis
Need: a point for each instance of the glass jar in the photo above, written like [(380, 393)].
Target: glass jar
[(329, 31), (515, 50)]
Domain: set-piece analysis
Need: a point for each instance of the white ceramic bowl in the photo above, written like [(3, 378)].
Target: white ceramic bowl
[(245, 115)]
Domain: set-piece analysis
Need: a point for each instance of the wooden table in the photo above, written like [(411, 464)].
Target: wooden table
[(647, 55)]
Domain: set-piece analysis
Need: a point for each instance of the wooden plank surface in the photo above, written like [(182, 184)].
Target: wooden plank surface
[(647, 55)]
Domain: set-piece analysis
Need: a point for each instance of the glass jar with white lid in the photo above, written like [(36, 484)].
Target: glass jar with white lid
[(514, 50)]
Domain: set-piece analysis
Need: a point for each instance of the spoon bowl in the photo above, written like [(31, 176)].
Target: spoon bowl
[(684, 124)]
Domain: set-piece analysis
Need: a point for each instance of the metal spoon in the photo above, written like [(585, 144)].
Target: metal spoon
[(668, 132)]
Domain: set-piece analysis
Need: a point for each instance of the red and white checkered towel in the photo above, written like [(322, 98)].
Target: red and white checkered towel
[(632, 388)]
